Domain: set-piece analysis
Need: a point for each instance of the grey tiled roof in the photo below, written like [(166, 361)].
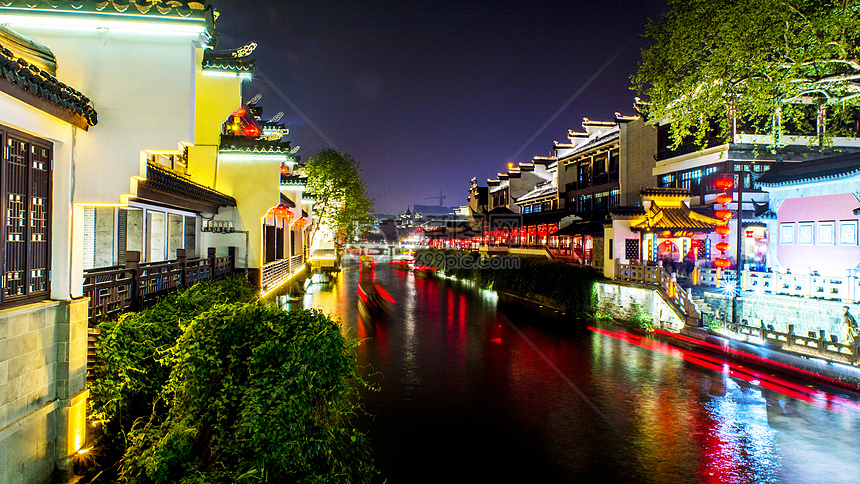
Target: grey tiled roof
[(45, 86)]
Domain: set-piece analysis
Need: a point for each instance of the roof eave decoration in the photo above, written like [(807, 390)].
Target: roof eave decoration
[(811, 179), (40, 89), (168, 181), (169, 8), (233, 61)]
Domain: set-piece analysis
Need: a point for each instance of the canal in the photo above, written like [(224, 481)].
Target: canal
[(473, 389)]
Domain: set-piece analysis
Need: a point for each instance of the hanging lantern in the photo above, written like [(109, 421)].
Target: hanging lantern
[(724, 183), (722, 230), (240, 112), (285, 170), (721, 262), (724, 199), (282, 211), (251, 131), (723, 214), (302, 222), (722, 246)]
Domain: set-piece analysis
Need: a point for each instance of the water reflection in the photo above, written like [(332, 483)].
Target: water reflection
[(464, 396)]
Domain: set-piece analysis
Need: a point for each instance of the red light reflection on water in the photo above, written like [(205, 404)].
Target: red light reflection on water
[(738, 371)]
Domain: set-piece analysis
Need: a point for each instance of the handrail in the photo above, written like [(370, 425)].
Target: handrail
[(113, 290), (818, 345), (679, 297)]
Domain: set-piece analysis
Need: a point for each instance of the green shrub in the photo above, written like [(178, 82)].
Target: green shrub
[(208, 385), (639, 318), (255, 394), (127, 377)]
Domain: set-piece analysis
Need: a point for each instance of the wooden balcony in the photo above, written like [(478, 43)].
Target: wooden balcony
[(113, 290)]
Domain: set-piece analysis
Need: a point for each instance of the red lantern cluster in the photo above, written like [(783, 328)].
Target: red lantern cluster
[(724, 214), (282, 211)]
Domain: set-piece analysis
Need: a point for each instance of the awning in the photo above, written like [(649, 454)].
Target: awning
[(580, 227)]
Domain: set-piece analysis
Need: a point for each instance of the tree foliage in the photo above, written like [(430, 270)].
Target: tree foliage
[(204, 390), (342, 205), (711, 59)]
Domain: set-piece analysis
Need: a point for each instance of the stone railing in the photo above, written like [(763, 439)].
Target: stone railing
[(845, 289), (679, 297), (814, 343), (113, 290)]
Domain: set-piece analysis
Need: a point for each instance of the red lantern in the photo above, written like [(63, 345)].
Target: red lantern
[(724, 199), (240, 112), (251, 131), (285, 170), (724, 183), (722, 246), (722, 230), (721, 262), (282, 211), (723, 214)]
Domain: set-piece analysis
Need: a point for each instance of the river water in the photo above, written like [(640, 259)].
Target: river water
[(472, 389)]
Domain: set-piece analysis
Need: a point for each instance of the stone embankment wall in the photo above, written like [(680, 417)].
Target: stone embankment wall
[(43, 366), (621, 300)]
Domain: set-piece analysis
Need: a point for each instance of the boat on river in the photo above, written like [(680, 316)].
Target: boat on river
[(373, 299), (424, 272)]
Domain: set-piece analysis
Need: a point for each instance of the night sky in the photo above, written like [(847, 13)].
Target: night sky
[(427, 96)]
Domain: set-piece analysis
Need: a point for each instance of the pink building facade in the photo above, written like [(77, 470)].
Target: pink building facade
[(817, 207)]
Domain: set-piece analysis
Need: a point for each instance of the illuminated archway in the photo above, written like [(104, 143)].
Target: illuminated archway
[(668, 250)]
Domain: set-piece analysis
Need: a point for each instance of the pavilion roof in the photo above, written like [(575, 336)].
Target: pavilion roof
[(674, 218)]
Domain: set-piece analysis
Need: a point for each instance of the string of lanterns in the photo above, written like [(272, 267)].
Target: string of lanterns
[(724, 214)]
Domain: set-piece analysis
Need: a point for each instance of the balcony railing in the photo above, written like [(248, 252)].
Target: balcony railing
[(113, 290), (845, 289), (276, 273), (816, 343)]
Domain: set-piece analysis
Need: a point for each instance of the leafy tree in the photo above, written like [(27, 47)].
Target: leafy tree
[(747, 60), (342, 203)]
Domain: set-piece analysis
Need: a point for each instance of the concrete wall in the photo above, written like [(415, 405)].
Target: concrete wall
[(618, 300), (43, 364), (637, 149)]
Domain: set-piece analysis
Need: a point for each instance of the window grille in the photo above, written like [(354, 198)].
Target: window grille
[(25, 171)]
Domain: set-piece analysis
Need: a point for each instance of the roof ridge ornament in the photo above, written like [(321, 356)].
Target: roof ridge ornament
[(245, 50)]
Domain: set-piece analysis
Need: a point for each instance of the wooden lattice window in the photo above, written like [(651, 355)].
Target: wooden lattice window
[(25, 171), (631, 249)]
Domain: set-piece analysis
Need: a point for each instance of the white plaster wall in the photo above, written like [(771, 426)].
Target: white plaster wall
[(141, 87)]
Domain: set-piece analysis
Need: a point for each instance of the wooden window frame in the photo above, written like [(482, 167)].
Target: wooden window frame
[(34, 259)]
